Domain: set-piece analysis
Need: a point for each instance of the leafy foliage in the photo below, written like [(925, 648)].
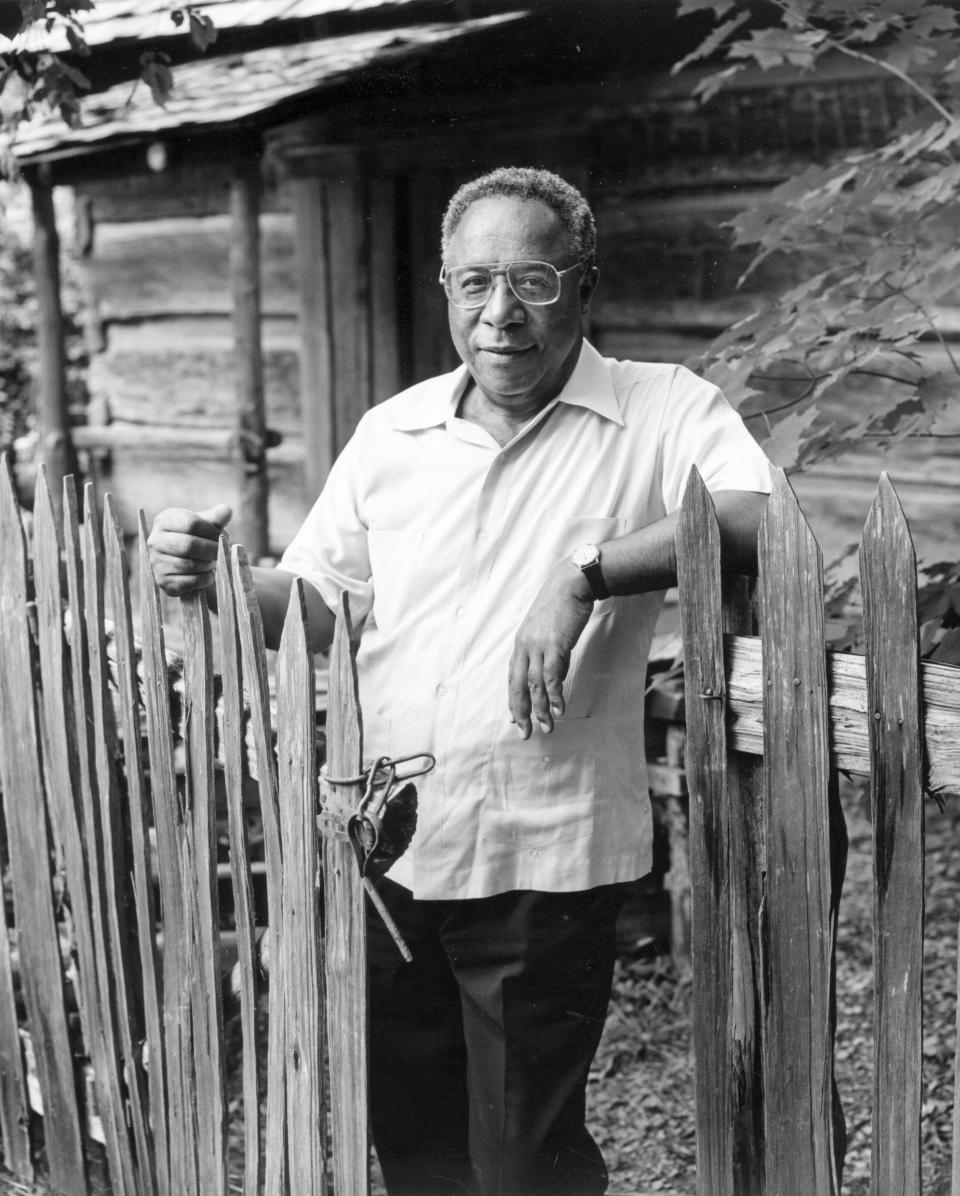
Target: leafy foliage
[(863, 232), (32, 81), (852, 349)]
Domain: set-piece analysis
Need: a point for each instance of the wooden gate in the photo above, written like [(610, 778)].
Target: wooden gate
[(114, 963), (771, 718)]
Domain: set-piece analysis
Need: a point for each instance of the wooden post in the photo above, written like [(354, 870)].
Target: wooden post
[(248, 356), (797, 1028), (888, 574), (54, 419), (316, 362), (698, 575), (346, 947)]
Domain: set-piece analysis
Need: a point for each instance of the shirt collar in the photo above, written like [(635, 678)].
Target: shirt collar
[(434, 402)]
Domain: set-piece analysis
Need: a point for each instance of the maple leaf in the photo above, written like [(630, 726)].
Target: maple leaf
[(784, 444)]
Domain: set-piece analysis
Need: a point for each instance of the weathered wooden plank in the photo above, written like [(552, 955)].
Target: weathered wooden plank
[(888, 577), (108, 1081), (349, 313), (345, 941), (300, 931), (152, 1162), (309, 198), (798, 1049), (698, 576), (201, 890), (29, 858), (849, 721), (62, 769), (51, 392), (113, 847), (14, 1100), (253, 651), (747, 866), (168, 819), (248, 355), (234, 757)]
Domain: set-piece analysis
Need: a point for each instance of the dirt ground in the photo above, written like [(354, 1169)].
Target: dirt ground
[(641, 1087)]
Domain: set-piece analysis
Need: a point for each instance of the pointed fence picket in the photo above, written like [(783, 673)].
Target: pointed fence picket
[(805, 713), (134, 779), (110, 753)]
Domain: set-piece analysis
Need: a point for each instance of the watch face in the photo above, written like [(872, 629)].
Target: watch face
[(586, 554)]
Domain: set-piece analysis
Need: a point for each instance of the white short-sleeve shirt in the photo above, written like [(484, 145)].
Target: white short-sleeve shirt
[(442, 539)]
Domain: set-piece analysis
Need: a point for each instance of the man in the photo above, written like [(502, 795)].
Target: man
[(505, 533)]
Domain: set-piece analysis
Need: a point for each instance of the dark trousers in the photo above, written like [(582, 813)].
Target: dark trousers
[(480, 1048)]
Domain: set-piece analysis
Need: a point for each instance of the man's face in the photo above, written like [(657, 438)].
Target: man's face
[(520, 355)]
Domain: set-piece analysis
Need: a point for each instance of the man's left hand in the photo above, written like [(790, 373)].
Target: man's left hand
[(542, 647)]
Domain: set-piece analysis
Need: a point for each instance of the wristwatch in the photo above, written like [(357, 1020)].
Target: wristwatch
[(587, 560)]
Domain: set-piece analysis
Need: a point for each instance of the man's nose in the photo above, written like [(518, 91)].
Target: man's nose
[(503, 307)]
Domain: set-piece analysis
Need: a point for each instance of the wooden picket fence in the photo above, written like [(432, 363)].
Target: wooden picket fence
[(112, 951), (103, 977), (771, 718)]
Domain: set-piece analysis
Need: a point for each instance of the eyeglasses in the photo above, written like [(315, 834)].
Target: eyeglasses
[(536, 283)]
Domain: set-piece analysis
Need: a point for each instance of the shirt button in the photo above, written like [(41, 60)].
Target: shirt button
[(441, 691), (546, 759), (459, 611)]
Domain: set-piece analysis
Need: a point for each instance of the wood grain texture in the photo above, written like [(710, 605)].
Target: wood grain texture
[(254, 659), (62, 770), (747, 822), (168, 818), (113, 846), (698, 575), (14, 1103), (798, 1049), (109, 1081), (345, 944), (25, 813), (888, 577), (849, 720), (300, 934), (152, 1162), (309, 199), (234, 761), (200, 876)]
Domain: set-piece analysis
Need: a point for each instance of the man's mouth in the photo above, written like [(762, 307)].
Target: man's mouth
[(507, 350)]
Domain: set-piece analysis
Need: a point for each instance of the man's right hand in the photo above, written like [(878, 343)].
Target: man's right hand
[(183, 548)]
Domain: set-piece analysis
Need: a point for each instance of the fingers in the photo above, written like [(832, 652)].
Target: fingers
[(535, 688), (183, 547)]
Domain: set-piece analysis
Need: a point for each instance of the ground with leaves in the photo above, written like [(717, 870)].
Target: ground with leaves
[(641, 1088)]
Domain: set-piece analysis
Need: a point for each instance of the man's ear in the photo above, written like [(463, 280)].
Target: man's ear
[(588, 286)]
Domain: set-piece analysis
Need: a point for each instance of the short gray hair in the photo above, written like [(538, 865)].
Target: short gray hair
[(526, 182)]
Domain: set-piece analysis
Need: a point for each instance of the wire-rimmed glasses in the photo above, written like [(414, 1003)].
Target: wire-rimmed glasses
[(536, 283)]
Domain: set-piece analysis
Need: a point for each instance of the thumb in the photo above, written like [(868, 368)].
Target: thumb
[(219, 515)]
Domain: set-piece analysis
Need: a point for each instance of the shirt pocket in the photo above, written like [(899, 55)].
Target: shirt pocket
[(541, 791), (394, 570)]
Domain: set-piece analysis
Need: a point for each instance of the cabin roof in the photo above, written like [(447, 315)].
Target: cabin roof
[(117, 21), (228, 88)]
